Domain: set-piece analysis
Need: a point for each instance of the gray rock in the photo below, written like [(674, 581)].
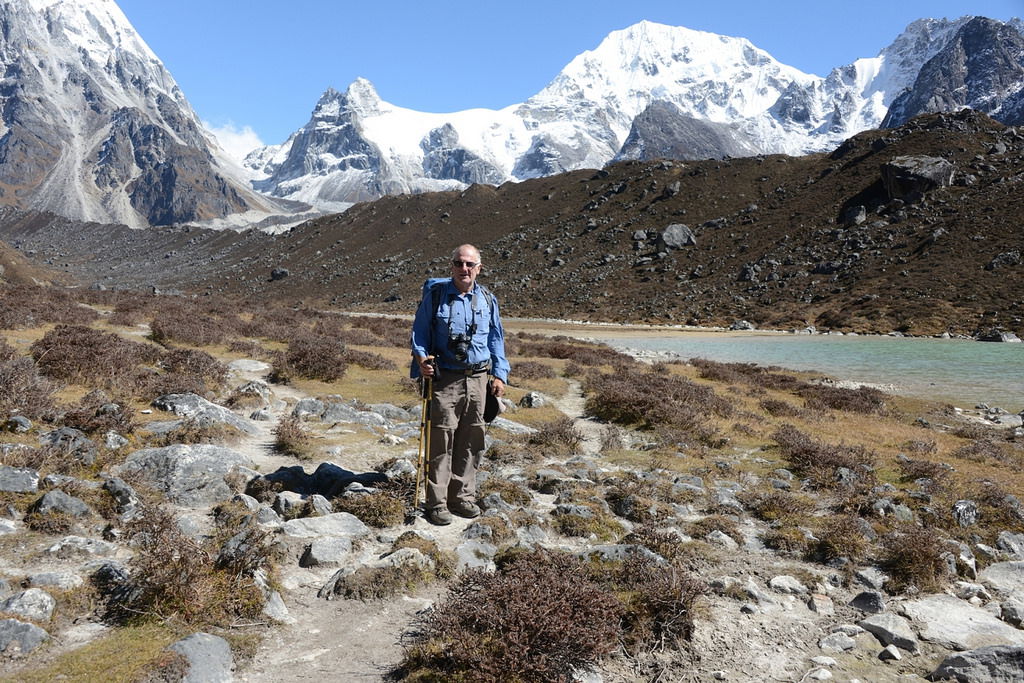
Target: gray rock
[(1004, 577), (722, 539), (511, 427), (289, 504), (905, 177), (126, 501), (79, 546), (18, 480), (275, 609), (958, 625), (872, 602), (190, 475), (59, 503), (72, 442), (787, 584), (820, 603), (475, 554), (18, 424), (61, 580), (33, 604), (308, 407), (1011, 543), (890, 653), (18, 638), (992, 664), (326, 552), (872, 577), (965, 513), (533, 399), (209, 658), (677, 236), (1012, 612), (193, 407), (345, 413), (112, 440), (891, 629), (338, 524), (837, 642)]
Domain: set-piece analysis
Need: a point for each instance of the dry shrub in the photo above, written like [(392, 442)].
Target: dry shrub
[(843, 537), (566, 348), (777, 408), (313, 358), (659, 603), (665, 544), (556, 438), (787, 539), (637, 396), (97, 413), (291, 438), (777, 505), (393, 331), (369, 360), (596, 522), (726, 525), (195, 362), (984, 449), (24, 392), (189, 324), (275, 324), (820, 461), (7, 352), (746, 373), (917, 446), (32, 306), (510, 491), (248, 347), (863, 400), (79, 354), (914, 469), (538, 617), (533, 370), (174, 577), (912, 557), (379, 509)]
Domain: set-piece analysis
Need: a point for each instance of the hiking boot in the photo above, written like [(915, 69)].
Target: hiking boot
[(464, 509), (439, 516)]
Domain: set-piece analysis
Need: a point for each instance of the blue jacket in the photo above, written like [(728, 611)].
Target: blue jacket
[(457, 314)]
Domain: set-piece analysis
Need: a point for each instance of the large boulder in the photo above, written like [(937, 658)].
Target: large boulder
[(19, 638), (677, 236), (194, 407), (993, 664), (908, 177), (191, 475), (18, 480), (958, 625), (209, 658)]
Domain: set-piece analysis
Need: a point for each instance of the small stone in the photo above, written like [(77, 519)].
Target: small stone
[(890, 653), (837, 642), (872, 602)]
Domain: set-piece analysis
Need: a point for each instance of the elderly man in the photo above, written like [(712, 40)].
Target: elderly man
[(457, 332)]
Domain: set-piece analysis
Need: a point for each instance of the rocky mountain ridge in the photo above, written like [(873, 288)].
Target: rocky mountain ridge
[(646, 91), (836, 241), (95, 128)]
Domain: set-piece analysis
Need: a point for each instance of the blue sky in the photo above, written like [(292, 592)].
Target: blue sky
[(257, 68)]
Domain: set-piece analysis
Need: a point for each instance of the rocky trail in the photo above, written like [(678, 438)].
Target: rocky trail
[(767, 616)]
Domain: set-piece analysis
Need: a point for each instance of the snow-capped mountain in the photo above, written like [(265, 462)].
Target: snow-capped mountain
[(646, 90), (93, 127)]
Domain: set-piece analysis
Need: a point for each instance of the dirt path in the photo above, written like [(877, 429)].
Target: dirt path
[(348, 640)]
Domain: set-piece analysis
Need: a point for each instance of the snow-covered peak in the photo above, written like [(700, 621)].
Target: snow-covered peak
[(98, 27)]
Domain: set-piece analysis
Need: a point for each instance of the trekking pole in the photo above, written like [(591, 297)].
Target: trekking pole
[(423, 454)]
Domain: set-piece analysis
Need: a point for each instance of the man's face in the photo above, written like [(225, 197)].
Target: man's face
[(465, 268)]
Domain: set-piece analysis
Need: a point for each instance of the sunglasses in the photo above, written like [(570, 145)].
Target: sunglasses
[(467, 264)]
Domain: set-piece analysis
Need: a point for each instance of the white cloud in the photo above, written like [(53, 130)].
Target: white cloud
[(237, 142)]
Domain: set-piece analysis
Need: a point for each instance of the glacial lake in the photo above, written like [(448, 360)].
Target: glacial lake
[(956, 371)]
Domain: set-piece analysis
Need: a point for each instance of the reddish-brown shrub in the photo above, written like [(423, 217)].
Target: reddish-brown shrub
[(97, 412), (538, 617), (533, 370), (24, 392), (79, 354), (820, 461), (913, 557), (635, 396), (313, 358)]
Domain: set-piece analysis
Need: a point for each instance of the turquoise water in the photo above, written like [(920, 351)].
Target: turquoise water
[(960, 372)]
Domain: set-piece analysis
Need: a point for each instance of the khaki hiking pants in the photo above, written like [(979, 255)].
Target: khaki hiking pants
[(456, 438)]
